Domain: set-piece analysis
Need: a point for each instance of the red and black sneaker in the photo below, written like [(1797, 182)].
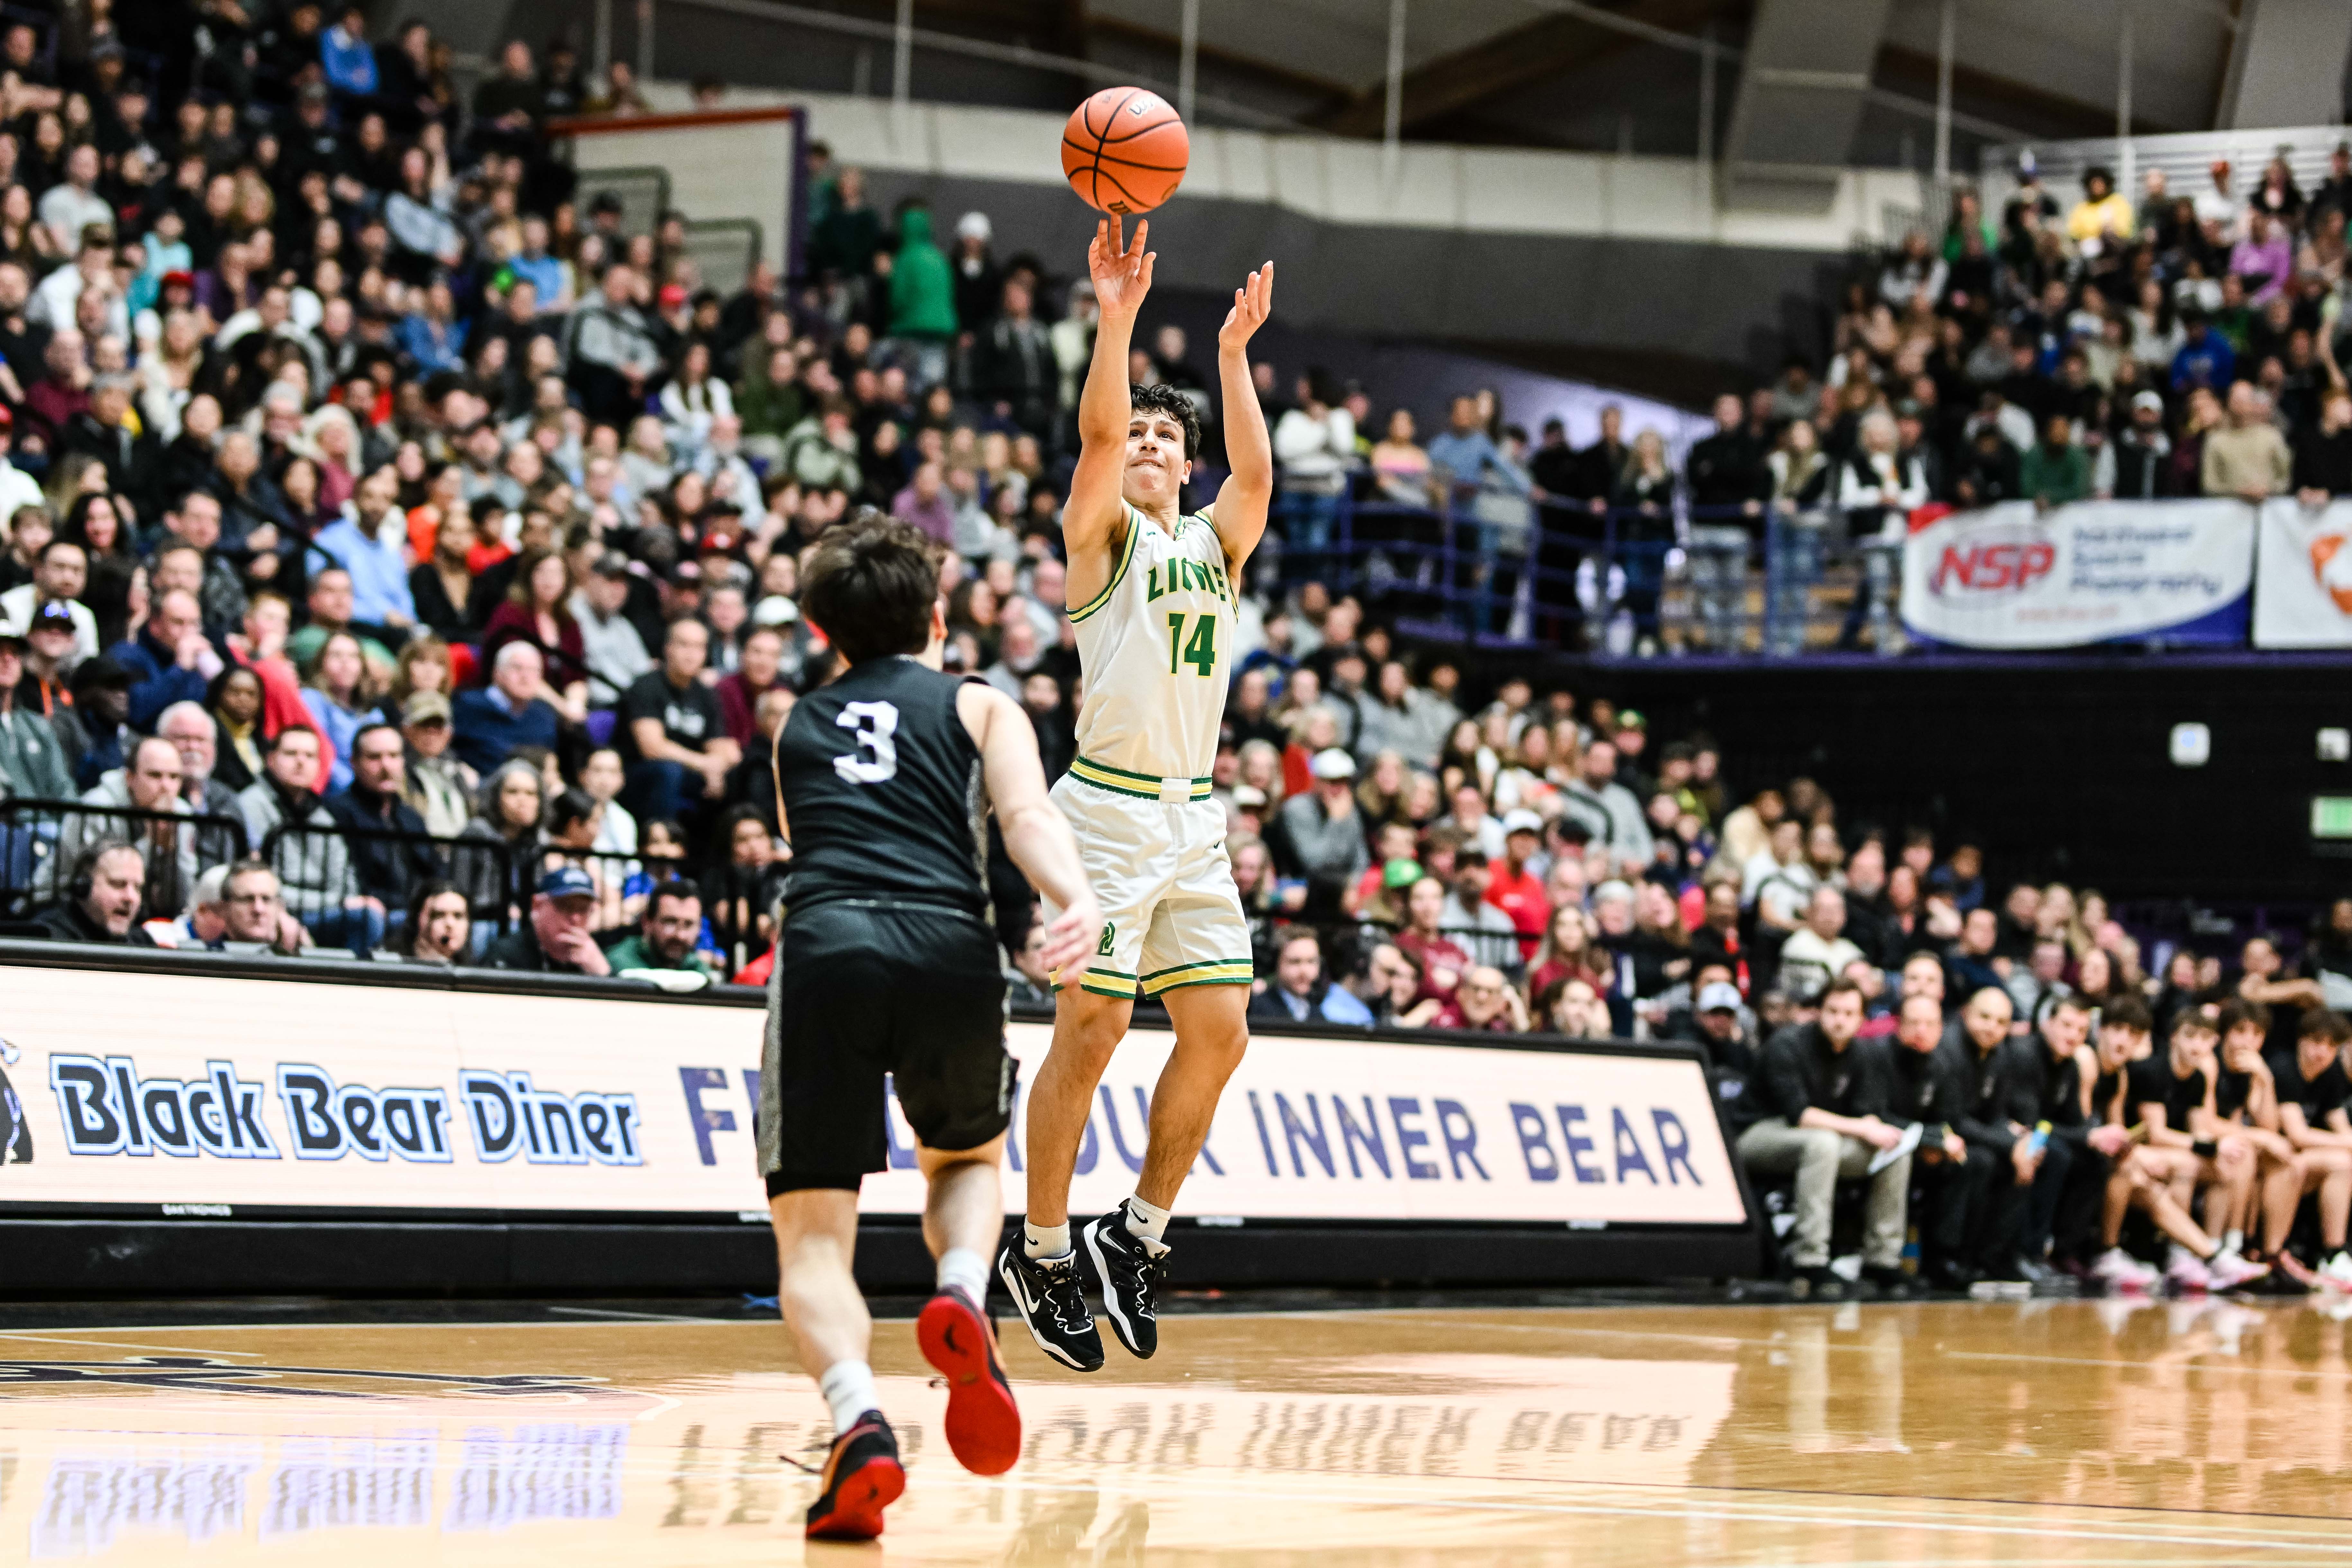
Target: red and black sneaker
[(983, 1425), (861, 1478)]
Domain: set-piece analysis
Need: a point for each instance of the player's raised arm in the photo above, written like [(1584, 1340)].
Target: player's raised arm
[(1095, 510), (1248, 490), (1035, 835)]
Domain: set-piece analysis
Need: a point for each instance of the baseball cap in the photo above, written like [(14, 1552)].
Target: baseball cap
[(1249, 797), (2148, 400), (104, 670), (612, 563), (1331, 764), (1401, 872), (775, 610), (567, 882), (1521, 820), (1719, 997), (425, 708), (12, 633), (6, 418), (673, 294), (54, 617)]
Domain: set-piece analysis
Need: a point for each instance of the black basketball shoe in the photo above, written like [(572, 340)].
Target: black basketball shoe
[(862, 1477), (1046, 1293), (1128, 1270)]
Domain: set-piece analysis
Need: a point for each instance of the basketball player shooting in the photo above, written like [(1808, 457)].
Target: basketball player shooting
[(1154, 594)]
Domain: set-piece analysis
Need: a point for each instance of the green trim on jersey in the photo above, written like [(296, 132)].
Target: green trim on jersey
[(1215, 972), (1134, 522), (1119, 781)]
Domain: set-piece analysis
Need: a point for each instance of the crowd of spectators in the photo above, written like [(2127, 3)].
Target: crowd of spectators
[(408, 530), (399, 560), (2184, 344)]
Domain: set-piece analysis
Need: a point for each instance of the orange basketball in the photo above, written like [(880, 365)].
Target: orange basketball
[(1124, 150)]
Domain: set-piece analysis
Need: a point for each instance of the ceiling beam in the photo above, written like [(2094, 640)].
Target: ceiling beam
[(1247, 67), (1916, 69), (1506, 62)]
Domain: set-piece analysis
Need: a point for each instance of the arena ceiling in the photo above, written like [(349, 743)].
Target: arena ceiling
[(1617, 73)]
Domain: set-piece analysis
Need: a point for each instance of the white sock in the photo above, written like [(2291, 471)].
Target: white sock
[(848, 1387), (2233, 1241), (962, 1266), (1044, 1240), (1146, 1219)]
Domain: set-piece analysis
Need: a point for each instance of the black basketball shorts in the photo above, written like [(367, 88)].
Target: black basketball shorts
[(864, 989)]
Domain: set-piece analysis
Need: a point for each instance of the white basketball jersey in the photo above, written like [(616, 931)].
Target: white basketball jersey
[(1156, 646)]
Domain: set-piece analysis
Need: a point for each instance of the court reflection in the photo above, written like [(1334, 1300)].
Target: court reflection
[(2068, 1431), (2210, 1405)]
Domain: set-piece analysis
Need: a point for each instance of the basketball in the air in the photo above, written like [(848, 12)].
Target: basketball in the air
[(1124, 150)]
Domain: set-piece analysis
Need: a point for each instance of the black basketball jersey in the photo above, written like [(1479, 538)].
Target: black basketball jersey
[(882, 793), (2153, 1082)]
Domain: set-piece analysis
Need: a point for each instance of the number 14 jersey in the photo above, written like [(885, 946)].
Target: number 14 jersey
[(1156, 647)]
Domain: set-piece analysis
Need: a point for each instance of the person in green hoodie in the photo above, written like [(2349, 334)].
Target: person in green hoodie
[(922, 297), (2056, 472)]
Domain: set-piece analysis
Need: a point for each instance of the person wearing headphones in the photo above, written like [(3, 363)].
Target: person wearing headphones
[(101, 899)]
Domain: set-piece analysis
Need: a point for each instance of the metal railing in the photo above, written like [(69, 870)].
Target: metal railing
[(351, 885), (1615, 580), (42, 840)]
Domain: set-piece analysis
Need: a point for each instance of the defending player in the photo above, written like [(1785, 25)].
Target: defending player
[(1152, 595), (887, 963)]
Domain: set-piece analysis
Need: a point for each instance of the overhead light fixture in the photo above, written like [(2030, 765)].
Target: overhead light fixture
[(2192, 746)]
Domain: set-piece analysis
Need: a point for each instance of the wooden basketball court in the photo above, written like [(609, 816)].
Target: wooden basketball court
[(2056, 1432)]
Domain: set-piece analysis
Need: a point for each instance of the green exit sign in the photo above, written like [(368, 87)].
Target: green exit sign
[(2331, 816)]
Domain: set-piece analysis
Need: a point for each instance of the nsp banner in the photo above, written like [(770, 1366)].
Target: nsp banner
[(2014, 576), (217, 1095)]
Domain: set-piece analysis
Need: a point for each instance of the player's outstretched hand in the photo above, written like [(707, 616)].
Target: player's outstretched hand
[(1070, 935), (1253, 303), (1121, 272)]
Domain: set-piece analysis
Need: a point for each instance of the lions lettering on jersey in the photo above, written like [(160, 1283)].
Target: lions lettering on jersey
[(1156, 644)]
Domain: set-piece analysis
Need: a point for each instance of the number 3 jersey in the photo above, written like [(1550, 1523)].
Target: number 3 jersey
[(1156, 646), (882, 793)]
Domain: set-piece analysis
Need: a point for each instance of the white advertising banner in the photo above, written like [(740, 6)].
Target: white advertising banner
[(2303, 575), (207, 1095), (2012, 577)]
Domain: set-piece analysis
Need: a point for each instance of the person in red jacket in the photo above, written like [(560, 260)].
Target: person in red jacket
[(1513, 887)]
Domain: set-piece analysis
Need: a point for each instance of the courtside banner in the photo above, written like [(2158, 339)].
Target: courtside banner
[(2303, 575), (2013, 577), (219, 1095)]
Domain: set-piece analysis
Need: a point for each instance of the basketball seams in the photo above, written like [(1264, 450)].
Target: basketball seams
[(1145, 129), (1095, 169), (1143, 167)]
